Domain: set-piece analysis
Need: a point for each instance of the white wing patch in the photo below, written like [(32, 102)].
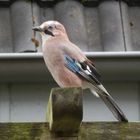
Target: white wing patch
[(88, 68)]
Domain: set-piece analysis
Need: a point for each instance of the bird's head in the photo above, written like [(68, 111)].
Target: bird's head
[(51, 29)]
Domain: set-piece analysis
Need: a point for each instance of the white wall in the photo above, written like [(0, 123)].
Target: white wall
[(27, 102)]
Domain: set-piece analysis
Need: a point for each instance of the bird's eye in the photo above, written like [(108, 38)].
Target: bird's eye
[(49, 31), (46, 31)]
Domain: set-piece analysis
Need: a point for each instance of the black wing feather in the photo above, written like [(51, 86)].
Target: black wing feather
[(93, 75), (84, 69)]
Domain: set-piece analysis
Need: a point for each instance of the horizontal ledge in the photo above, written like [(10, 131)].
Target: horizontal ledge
[(88, 131), (113, 54), (30, 67), (20, 56), (88, 54)]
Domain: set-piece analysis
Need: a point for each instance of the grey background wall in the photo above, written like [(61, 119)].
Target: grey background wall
[(94, 25), (109, 28), (28, 102)]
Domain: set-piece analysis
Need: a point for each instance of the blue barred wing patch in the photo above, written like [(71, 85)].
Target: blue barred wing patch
[(81, 69), (71, 64)]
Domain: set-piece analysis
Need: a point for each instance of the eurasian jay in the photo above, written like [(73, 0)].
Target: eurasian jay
[(70, 67)]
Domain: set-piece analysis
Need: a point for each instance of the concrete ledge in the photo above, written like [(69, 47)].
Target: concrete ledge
[(88, 131)]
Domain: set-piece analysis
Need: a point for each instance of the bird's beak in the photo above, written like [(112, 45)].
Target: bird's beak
[(37, 28)]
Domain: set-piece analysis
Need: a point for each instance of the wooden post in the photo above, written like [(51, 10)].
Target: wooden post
[(88, 131), (65, 110)]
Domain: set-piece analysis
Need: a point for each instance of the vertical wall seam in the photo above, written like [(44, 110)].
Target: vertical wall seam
[(12, 38), (84, 15), (139, 99), (100, 30), (122, 24), (32, 13), (10, 101), (33, 20)]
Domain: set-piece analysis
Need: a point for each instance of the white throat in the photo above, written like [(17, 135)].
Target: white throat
[(45, 38)]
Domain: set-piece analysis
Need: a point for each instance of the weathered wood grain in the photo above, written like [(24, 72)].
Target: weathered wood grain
[(65, 109), (88, 131)]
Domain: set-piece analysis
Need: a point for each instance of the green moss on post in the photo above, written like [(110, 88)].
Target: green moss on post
[(88, 131), (21, 131), (65, 109)]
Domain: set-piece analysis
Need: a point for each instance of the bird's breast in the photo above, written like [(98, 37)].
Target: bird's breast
[(61, 74)]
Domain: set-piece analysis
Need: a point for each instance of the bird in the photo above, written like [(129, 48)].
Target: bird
[(70, 67)]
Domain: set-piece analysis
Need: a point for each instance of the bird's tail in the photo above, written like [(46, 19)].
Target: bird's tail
[(109, 101)]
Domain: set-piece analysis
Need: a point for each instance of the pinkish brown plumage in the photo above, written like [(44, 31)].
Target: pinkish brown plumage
[(70, 67)]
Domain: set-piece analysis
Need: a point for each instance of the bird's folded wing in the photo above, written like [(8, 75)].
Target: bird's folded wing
[(89, 73), (84, 69)]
